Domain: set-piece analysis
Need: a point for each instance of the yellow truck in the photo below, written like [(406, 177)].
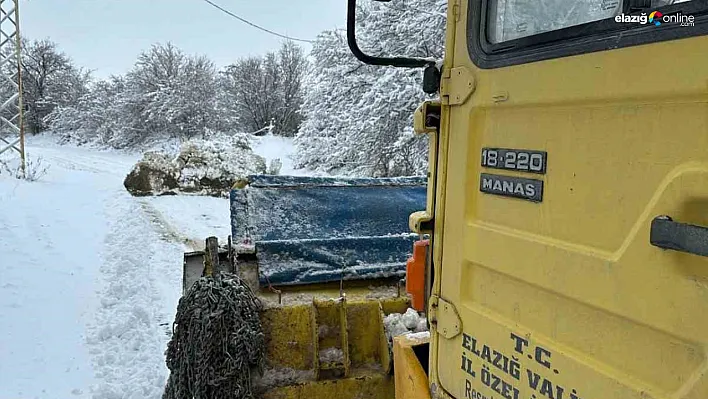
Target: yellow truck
[(568, 205), (566, 223)]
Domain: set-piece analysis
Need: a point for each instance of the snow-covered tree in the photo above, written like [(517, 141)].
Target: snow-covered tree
[(259, 91), (167, 94), (98, 116), (49, 80), (328, 139), (358, 118), (292, 66), (171, 94)]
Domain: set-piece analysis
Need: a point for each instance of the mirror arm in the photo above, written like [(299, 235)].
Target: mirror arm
[(400, 62)]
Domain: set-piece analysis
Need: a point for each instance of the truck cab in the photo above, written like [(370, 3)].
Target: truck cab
[(568, 200)]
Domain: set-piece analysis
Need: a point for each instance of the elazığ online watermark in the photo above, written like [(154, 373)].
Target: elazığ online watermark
[(657, 18)]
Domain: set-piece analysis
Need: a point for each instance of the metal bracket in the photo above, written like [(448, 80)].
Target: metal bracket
[(330, 332), (445, 317), (426, 118), (457, 85), (420, 222)]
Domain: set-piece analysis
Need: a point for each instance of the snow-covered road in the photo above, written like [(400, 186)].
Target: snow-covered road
[(90, 278)]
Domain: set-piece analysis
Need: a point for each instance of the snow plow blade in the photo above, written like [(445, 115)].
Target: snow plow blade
[(336, 250), (332, 340), (304, 230), (329, 347)]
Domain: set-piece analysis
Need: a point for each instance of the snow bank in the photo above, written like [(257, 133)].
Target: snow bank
[(92, 318), (202, 166), (139, 288)]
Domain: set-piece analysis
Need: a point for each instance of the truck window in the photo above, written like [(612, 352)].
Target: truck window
[(513, 19), (511, 32)]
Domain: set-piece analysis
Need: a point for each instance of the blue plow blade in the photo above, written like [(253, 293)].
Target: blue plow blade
[(314, 229)]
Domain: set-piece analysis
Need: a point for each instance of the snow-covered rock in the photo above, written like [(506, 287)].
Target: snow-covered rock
[(207, 167), (155, 174)]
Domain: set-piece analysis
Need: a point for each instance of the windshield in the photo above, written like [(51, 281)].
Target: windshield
[(513, 19)]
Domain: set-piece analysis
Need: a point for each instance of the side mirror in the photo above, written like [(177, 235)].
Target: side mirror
[(401, 62), (431, 79)]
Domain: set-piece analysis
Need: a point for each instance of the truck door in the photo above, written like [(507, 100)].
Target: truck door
[(572, 201)]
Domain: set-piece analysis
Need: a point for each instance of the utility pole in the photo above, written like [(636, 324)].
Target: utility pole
[(12, 129)]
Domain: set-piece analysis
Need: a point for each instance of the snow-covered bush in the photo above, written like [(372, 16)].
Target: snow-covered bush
[(35, 168), (264, 93), (5, 168), (96, 118), (207, 167)]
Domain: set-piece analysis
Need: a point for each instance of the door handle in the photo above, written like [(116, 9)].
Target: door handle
[(683, 237)]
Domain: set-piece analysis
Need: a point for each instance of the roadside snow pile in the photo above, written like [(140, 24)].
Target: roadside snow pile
[(207, 167), (410, 322)]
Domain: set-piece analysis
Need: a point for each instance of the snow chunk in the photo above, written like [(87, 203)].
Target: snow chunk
[(410, 322), (419, 335), (422, 325), (410, 319), (394, 326), (331, 355)]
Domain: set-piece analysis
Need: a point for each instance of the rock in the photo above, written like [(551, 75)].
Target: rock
[(153, 175)]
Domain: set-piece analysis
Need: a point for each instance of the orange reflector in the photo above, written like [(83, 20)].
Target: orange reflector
[(415, 275)]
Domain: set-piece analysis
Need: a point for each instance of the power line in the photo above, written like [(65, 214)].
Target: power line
[(254, 25)]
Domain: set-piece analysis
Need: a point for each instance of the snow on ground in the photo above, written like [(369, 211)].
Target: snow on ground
[(88, 288), (191, 219), (271, 147), (140, 290), (90, 277), (51, 236)]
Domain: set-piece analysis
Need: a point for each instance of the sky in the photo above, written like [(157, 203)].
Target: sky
[(107, 35)]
